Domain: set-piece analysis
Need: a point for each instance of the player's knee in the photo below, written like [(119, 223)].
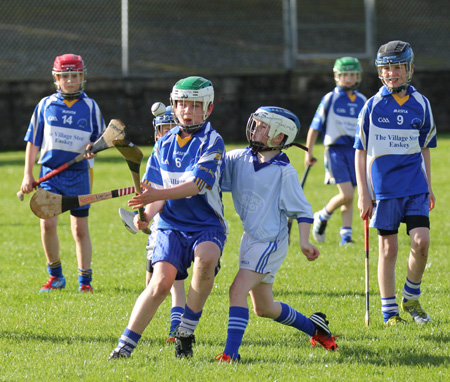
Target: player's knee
[(420, 244)]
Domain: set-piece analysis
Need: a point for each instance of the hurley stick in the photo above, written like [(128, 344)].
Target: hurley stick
[(114, 130), (366, 252), (133, 156), (46, 204), (302, 183)]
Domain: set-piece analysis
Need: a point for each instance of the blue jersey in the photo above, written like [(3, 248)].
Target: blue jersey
[(266, 194), (62, 129), (393, 130), (198, 158), (336, 117)]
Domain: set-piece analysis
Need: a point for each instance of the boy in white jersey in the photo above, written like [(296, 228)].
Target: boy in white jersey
[(336, 118), (182, 180), (63, 125), (162, 124), (266, 192), (395, 131)]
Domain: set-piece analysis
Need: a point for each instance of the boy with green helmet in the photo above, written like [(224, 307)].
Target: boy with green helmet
[(336, 118)]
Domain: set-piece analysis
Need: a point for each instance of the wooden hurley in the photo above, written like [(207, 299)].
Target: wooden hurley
[(46, 204)]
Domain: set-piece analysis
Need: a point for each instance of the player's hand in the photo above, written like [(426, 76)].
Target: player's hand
[(139, 224), (149, 195), (89, 155), (309, 159), (431, 200), (365, 205), (27, 184), (310, 251)]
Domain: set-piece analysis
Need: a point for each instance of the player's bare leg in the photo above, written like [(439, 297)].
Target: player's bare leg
[(420, 241), (50, 243), (83, 245), (151, 298), (49, 237), (387, 257), (206, 258)]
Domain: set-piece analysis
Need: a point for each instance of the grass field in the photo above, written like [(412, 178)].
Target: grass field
[(67, 336)]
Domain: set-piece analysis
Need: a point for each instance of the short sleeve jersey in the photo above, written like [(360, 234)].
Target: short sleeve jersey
[(62, 129), (266, 194), (393, 131), (336, 117), (197, 158)]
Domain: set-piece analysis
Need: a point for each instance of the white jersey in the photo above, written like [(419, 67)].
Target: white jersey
[(265, 195), (393, 131)]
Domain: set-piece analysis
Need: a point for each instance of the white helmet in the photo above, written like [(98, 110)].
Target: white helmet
[(279, 120)]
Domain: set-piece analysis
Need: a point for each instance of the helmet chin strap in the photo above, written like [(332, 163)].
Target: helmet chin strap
[(256, 147)]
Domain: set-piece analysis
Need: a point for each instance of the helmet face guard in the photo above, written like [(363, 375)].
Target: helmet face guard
[(198, 90), (160, 121), (348, 65), (69, 66), (392, 56), (279, 121)]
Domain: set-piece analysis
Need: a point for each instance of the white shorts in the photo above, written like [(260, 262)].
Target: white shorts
[(262, 257), (151, 241)]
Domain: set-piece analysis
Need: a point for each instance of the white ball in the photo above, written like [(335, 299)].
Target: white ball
[(158, 108)]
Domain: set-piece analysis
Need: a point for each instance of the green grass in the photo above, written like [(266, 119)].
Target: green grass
[(68, 336)]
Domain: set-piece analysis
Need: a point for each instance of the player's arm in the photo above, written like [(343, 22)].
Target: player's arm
[(310, 251), (31, 153), (427, 161), (150, 195), (364, 198), (310, 142)]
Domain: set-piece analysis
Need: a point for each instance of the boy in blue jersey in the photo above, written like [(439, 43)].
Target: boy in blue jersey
[(266, 192), (336, 118), (396, 129), (162, 124), (182, 180), (63, 125)]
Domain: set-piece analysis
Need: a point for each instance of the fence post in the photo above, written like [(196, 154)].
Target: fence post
[(125, 38), (290, 33)]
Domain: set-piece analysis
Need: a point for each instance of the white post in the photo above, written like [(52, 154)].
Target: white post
[(125, 38)]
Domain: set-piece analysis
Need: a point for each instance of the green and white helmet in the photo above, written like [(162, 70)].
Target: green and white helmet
[(348, 65), (196, 89)]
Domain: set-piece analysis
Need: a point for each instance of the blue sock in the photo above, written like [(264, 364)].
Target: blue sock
[(291, 317), (237, 323), (85, 276), (346, 234), (389, 307), (55, 269), (128, 341), (411, 291), (175, 319), (189, 320)]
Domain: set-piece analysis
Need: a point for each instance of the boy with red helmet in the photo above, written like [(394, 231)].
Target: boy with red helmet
[(63, 125)]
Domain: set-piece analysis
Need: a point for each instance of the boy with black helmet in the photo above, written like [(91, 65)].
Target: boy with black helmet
[(396, 129)]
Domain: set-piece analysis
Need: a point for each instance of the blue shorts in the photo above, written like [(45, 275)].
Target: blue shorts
[(177, 247), (339, 164), (389, 213), (69, 183)]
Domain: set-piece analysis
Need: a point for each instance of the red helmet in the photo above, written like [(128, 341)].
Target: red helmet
[(73, 65)]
